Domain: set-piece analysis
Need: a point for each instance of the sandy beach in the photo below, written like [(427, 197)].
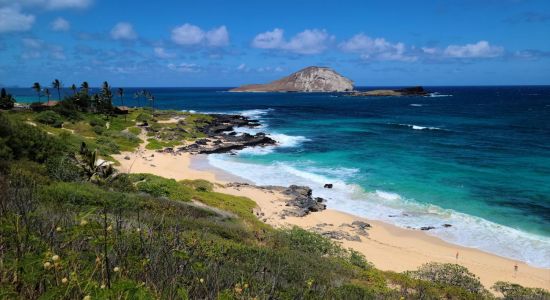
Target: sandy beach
[(388, 247)]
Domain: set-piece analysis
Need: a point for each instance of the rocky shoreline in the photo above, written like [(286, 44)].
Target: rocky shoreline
[(221, 136)]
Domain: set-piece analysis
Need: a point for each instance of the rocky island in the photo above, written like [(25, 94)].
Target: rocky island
[(310, 79), (411, 91)]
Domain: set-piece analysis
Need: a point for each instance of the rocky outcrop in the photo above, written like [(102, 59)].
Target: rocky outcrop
[(221, 137), (301, 202), (310, 79), (411, 91)]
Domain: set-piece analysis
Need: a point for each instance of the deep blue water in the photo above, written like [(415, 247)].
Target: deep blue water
[(474, 157)]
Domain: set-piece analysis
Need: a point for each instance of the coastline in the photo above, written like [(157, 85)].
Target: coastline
[(387, 246)]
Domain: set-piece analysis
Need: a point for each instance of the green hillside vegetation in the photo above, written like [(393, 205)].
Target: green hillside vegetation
[(72, 230)]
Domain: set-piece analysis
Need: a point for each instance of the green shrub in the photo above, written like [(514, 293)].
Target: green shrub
[(63, 168), (449, 274), (98, 129), (96, 121), (50, 118), (512, 291), (107, 146), (162, 187), (144, 117), (19, 140)]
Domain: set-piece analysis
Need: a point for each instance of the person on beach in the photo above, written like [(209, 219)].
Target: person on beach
[(457, 256), (515, 269)]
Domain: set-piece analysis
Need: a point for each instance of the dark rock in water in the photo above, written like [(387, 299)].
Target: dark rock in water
[(427, 228), (411, 91), (447, 225), (328, 185)]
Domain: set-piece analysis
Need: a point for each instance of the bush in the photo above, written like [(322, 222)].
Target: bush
[(50, 118), (162, 187), (98, 129), (512, 291), (63, 168), (6, 100), (19, 140), (449, 274), (143, 117), (97, 122)]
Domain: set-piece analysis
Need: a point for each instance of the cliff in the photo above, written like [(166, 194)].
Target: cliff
[(310, 79)]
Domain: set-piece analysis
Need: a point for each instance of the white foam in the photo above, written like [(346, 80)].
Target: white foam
[(415, 104), (417, 127), (437, 95), (391, 207)]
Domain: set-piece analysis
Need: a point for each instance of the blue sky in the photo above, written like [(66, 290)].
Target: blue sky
[(228, 43)]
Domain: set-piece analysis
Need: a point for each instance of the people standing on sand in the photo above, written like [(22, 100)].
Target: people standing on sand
[(456, 256), (515, 269)]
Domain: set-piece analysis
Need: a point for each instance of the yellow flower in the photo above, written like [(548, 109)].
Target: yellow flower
[(55, 257), (58, 229), (102, 286), (116, 269), (87, 297), (47, 265), (201, 280), (109, 228), (64, 280), (246, 285), (82, 223), (138, 229)]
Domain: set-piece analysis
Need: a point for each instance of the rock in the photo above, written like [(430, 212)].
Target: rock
[(361, 224), (411, 91), (127, 157), (427, 228), (310, 79), (328, 185), (447, 225), (301, 202)]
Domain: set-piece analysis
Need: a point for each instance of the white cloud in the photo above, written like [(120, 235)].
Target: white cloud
[(161, 53), (187, 34), (123, 31), (61, 4), (191, 35), (184, 67), (309, 41), (12, 20), (481, 49), (217, 37), (376, 48), (36, 48), (242, 67), (269, 39), (60, 24)]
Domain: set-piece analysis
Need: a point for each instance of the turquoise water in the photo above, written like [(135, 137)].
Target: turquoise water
[(477, 158)]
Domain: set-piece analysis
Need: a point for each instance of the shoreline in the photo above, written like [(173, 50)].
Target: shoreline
[(387, 246)]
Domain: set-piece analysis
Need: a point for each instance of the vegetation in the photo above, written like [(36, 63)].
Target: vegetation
[(6, 100), (72, 228)]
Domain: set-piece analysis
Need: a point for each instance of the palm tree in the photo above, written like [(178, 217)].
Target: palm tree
[(47, 92), (85, 87), (73, 88), (36, 86), (56, 84), (120, 93)]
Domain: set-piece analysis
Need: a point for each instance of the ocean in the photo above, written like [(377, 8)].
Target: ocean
[(477, 158)]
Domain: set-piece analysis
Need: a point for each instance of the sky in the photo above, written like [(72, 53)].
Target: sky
[(228, 43)]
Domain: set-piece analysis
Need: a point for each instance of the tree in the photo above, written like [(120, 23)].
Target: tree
[(47, 92), (85, 87), (36, 86), (6, 100), (56, 84), (120, 93), (73, 88)]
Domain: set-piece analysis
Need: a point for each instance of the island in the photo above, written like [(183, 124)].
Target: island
[(310, 79)]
